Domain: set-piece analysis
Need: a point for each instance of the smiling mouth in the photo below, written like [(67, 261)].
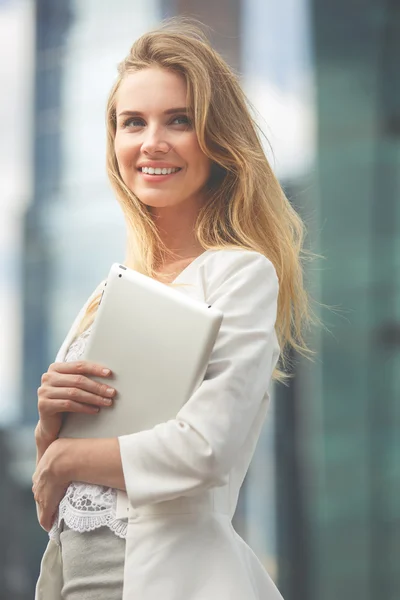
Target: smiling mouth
[(159, 170)]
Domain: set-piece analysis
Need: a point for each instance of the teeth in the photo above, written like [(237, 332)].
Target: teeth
[(159, 171)]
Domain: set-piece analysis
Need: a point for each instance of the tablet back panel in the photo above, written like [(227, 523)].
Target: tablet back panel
[(157, 341)]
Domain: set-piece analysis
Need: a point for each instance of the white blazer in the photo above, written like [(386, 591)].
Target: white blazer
[(183, 476)]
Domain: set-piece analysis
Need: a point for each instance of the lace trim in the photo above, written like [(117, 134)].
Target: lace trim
[(77, 347), (86, 508)]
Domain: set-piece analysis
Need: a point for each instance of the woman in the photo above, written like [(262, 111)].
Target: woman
[(148, 515)]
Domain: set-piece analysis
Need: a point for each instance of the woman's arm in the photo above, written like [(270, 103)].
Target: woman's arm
[(197, 449), (42, 443), (96, 461)]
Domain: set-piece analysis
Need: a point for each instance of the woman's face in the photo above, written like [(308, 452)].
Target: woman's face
[(154, 132)]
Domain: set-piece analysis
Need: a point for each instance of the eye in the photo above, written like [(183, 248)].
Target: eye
[(133, 122), (181, 120)]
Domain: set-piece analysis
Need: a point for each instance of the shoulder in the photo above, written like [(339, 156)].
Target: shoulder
[(239, 266), (242, 284)]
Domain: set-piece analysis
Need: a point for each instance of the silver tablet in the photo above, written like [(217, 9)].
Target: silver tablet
[(157, 341)]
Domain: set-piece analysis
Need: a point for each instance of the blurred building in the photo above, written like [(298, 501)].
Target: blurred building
[(319, 505), (353, 507), (16, 75)]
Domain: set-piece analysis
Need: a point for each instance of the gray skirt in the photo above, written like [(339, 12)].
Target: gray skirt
[(93, 564)]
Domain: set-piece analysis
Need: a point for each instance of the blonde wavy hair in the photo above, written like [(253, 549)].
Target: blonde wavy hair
[(245, 206)]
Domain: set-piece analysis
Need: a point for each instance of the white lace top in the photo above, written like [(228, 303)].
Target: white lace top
[(85, 506)]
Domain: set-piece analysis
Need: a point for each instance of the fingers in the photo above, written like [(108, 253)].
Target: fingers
[(83, 367), (51, 406), (78, 386), (69, 378), (45, 515), (78, 395), (68, 387)]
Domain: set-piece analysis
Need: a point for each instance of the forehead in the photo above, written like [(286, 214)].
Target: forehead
[(151, 89)]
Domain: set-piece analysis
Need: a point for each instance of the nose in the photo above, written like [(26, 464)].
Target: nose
[(154, 141)]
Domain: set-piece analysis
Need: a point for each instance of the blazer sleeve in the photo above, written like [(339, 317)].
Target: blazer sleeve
[(196, 450)]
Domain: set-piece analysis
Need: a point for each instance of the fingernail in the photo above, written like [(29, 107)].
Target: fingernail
[(109, 391), (107, 401), (106, 371)]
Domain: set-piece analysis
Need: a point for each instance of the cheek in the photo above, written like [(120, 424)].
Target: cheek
[(125, 152)]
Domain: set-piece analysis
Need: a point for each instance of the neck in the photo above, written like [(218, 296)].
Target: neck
[(176, 227)]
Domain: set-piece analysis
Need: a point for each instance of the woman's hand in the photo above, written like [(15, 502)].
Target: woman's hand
[(50, 482), (96, 461), (67, 387)]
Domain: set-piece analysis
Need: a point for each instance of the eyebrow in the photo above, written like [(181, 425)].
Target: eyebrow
[(137, 113)]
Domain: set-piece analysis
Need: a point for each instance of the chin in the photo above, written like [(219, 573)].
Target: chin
[(156, 200)]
